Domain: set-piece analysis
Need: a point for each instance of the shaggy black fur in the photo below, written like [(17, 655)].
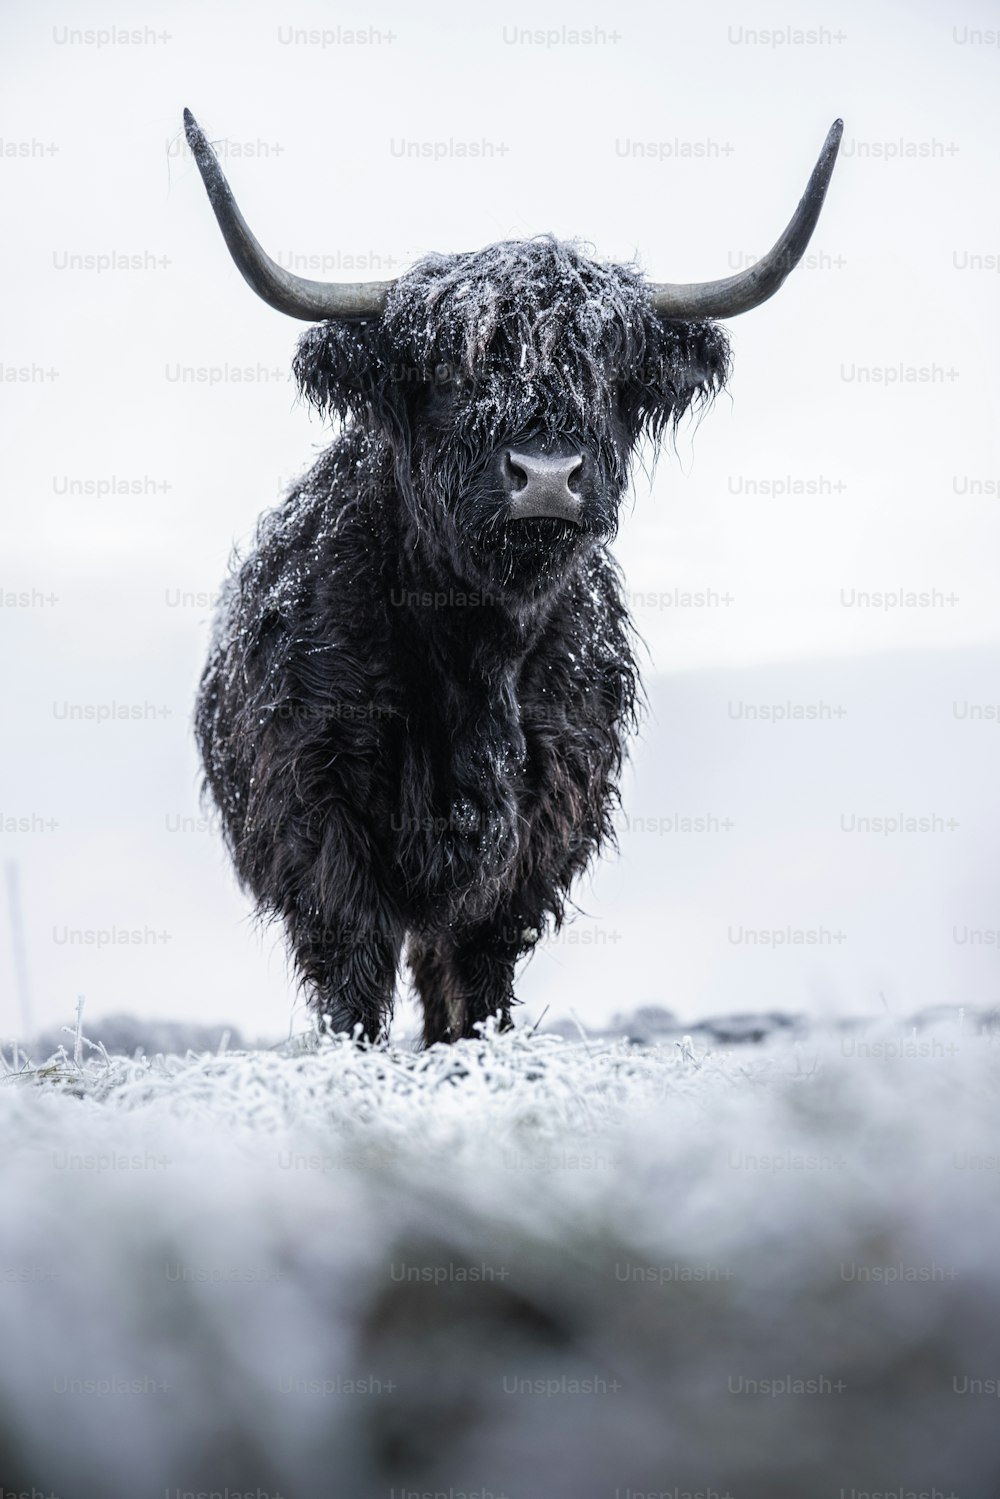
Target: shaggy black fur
[(414, 713)]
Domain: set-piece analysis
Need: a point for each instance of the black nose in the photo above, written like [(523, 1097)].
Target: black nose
[(540, 484)]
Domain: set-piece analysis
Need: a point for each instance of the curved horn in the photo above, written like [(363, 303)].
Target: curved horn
[(735, 294), (313, 301)]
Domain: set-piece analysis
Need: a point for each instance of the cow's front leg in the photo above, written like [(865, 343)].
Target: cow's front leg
[(349, 968), (467, 975)]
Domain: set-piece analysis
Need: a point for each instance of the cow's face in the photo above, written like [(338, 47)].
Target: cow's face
[(513, 385)]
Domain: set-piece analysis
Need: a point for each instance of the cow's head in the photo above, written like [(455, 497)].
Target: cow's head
[(512, 383)]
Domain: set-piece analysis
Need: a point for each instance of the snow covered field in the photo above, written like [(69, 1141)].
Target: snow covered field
[(533, 1265)]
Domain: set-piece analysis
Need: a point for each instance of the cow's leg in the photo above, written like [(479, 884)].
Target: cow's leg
[(349, 970), (432, 975), (465, 976)]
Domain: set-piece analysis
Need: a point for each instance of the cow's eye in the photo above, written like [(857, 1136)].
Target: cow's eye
[(447, 379)]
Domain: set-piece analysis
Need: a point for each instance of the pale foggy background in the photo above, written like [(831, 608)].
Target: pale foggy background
[(856, 453)]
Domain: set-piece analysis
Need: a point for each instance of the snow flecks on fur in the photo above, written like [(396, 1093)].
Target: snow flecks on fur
[(414, 715), (538, 306), (542, 337)]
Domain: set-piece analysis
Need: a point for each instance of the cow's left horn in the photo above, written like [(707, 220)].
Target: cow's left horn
[(735, 294), (313, 301)]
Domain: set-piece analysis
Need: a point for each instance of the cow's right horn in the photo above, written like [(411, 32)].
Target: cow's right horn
[(747, 289), (313, 301)]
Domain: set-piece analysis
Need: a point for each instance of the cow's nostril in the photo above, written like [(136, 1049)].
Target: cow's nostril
[(573, 478), (515, 473)]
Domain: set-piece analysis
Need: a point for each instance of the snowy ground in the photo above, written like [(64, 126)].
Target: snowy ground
[(534, 1265)]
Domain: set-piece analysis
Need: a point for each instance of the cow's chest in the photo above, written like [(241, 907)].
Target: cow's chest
[(461, 819)]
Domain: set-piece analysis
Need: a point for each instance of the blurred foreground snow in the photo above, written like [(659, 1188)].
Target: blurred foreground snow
[(523, 1266)]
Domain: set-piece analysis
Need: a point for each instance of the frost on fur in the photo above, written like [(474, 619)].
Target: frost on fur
[(422, 680)]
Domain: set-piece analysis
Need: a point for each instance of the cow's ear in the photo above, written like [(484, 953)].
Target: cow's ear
[(685, 366), (339, 368)]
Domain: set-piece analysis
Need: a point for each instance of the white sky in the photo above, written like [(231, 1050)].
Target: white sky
[(893, 464)]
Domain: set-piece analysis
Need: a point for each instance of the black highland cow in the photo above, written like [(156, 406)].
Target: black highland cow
[(415, 709)]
